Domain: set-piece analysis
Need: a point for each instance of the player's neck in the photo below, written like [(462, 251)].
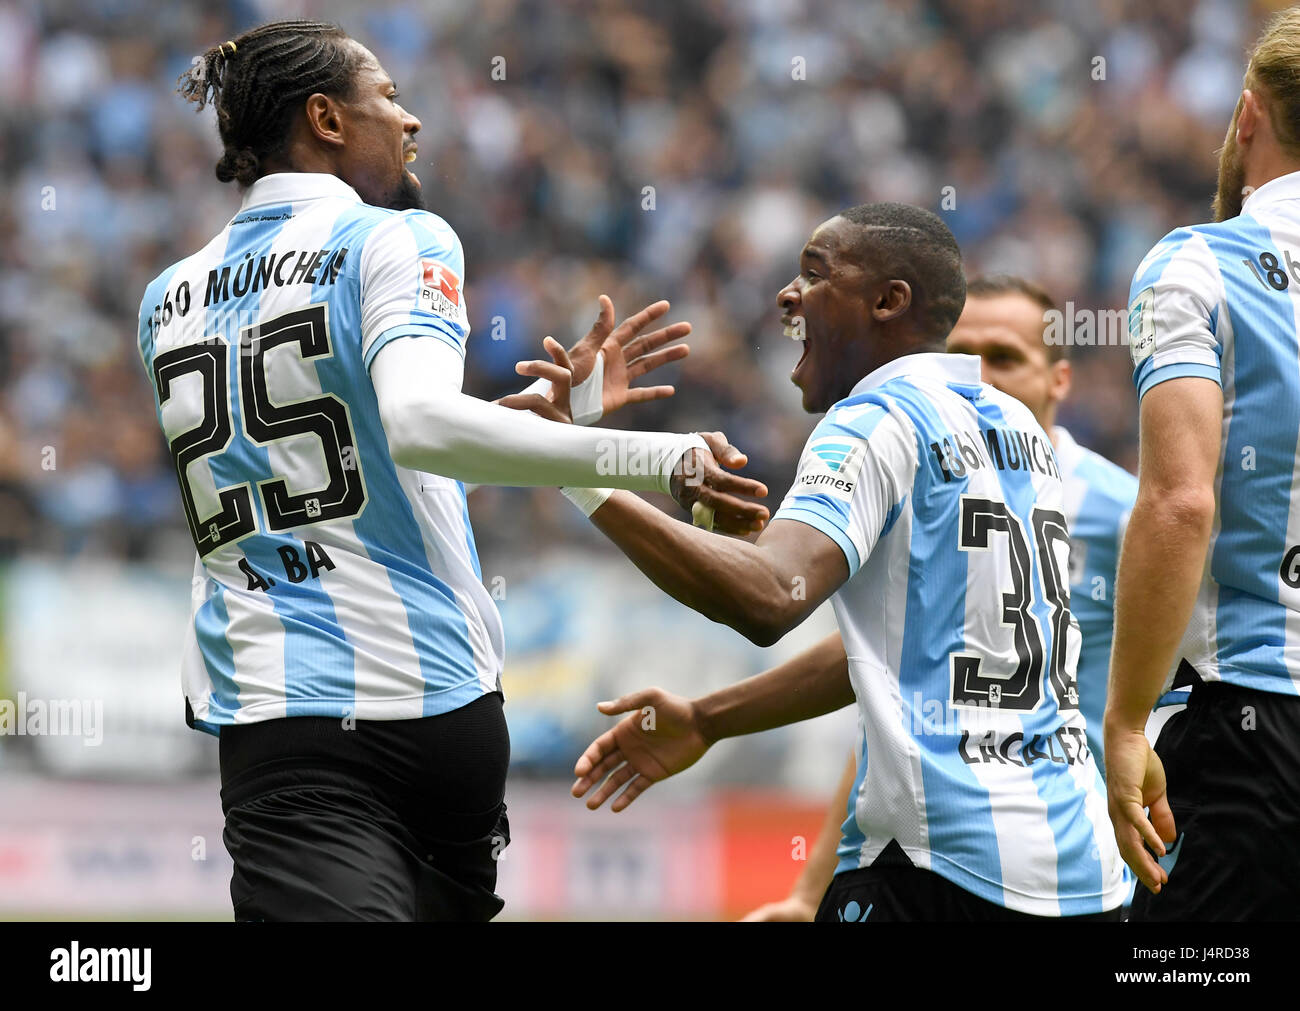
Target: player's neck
[(301, 157), (1271, 165)]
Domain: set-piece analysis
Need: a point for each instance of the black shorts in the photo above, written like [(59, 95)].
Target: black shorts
[(894, 890), (388, 820), (1232, 765)]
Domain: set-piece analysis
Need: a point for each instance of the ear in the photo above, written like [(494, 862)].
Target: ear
[(893, 301), (1060, 379), (323, 120), (1250, 117)]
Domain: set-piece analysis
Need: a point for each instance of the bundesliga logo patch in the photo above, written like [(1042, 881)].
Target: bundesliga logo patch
[(439, 289), (1142, 326), (831, 466)]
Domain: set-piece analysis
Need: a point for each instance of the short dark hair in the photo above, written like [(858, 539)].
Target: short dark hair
[(914, 245), (257, 80), (993, 285)]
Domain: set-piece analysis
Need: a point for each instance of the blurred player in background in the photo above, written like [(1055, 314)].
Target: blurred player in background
[(1004, 323), (307, 367), (1209, 582), (930, 505)]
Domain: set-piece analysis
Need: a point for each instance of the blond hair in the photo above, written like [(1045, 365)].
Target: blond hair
[(1274, 69)]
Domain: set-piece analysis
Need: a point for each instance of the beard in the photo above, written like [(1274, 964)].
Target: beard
[(1232, 177), (408, 195)]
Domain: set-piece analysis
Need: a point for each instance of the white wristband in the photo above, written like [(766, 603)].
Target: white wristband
[(586, 400), (587, 499), (667, 463)]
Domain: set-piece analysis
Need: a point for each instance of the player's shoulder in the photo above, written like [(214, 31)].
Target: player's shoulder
[(378, 225), (1197, 249), (155, 289), (1197, 238), (862, 414), (390, 239)]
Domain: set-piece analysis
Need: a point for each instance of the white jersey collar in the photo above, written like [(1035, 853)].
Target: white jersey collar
[(951, 368), (1285, 187), (291, 187)]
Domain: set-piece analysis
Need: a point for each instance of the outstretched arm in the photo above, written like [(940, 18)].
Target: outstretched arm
[(666, 734), (431, 426), (854, 476), (761, 589)]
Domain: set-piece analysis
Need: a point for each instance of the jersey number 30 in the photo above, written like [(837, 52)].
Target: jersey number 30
[(1022, 691), (265, 422)]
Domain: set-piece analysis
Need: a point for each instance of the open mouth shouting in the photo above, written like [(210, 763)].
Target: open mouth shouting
[(796, 329)]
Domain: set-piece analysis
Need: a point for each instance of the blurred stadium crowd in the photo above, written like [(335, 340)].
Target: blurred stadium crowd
[(644, 149)]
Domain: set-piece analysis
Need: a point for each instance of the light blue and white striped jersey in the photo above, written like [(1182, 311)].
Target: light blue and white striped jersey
[(1220, 301), (1099, 496), (329, 581), (945, 497)]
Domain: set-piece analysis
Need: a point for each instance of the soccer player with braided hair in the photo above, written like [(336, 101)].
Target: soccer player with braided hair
[(307, 367)]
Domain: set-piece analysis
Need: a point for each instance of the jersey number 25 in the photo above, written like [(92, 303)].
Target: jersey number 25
[(264, 422)]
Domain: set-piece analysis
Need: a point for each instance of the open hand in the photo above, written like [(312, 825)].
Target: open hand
[(659, 739), (628, 356)]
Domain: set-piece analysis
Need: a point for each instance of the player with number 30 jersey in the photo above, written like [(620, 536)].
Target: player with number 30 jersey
[(946, 498), (928, 507)]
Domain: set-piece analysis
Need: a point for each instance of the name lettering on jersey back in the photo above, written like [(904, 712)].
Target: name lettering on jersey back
[(1066, 746), (959, 453), (296, 568), (984, 734), (253, 274)]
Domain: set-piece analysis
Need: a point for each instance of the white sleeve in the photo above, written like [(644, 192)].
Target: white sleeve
[(411, 270), (431, 426), (1173, 312)]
